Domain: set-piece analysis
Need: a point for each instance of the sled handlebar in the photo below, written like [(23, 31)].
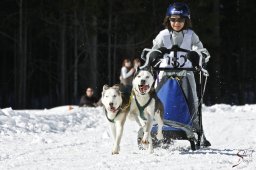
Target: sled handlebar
[(163, 50), (176, 69), (175, 48), (152, 58)]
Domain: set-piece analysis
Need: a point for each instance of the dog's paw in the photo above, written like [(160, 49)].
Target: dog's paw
[(144, 142), (115, 152)]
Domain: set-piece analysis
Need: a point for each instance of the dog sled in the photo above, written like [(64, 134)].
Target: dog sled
[(181, 120)]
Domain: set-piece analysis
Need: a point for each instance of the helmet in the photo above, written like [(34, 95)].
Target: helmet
[(178, 8)]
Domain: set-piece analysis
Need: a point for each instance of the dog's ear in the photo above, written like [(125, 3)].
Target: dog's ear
[(149, 69), (116, 87), (105, 87)]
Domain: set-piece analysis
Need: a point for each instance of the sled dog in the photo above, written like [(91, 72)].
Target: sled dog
[(145, 106), (116, 110)]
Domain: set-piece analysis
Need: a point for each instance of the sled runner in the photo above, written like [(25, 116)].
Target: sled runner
[(182, 121)]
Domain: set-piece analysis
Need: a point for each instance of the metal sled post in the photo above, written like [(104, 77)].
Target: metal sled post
[(200, 132), (200, 98)]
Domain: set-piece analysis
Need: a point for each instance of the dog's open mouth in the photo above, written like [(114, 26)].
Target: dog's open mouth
[(143, 88), (112, 109)]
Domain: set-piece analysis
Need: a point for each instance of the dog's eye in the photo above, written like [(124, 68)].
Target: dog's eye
[(147, 77), (114, 96), (139, 76), (106, 96)]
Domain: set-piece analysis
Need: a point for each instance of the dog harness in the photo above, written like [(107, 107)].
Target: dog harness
[(142, 108), (112, 120)]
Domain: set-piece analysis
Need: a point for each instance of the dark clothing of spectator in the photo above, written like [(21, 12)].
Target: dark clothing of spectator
[(88, 101)]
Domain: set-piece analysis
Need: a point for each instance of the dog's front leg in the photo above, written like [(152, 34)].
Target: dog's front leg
[(146, 129), (146, 133), (138, 121), (147, 139), (150, 147), (113, 130), (119, 133), (160, 125)]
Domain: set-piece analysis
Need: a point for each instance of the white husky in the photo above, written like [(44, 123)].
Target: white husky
[(116, 109), (145, 106)]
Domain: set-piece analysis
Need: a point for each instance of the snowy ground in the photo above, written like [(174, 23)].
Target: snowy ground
[(60, 138)]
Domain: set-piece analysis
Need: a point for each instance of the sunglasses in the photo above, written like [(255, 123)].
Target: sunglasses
[(177, 19)]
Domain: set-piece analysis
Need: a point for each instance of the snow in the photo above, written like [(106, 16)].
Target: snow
[(69, 137)]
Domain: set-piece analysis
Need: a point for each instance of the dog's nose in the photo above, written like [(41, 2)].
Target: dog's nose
[(143, 81), (111, 104)]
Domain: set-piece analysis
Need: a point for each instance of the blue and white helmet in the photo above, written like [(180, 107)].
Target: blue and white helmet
[(178, 8)]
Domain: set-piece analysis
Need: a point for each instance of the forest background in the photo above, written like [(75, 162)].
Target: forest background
[(52, 50)]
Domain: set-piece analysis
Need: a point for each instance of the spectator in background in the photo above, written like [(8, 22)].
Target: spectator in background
[(88, 100), (126, 76), (136, 64)]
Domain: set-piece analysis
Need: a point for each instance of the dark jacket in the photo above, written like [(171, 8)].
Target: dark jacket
[(88, 101)]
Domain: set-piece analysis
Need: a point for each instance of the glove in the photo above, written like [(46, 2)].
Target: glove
[(164, 50), (154, 57), (194, 58), (206, 55)]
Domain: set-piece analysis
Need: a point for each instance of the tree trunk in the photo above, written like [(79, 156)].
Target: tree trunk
[(50, 82), (94, 59), (21, 60), (114, 54), (109, 42), (63, 84), (216, 55), (24, 64), (20, 54), (242, 61), (76, 57)]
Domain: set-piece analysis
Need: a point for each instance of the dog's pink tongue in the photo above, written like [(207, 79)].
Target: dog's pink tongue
[(143, 88), (112, 109)]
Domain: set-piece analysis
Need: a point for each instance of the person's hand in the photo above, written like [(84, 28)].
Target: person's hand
[(132, 70), (136, 66)]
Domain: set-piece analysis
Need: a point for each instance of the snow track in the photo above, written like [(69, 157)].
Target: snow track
[(79, 138)]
